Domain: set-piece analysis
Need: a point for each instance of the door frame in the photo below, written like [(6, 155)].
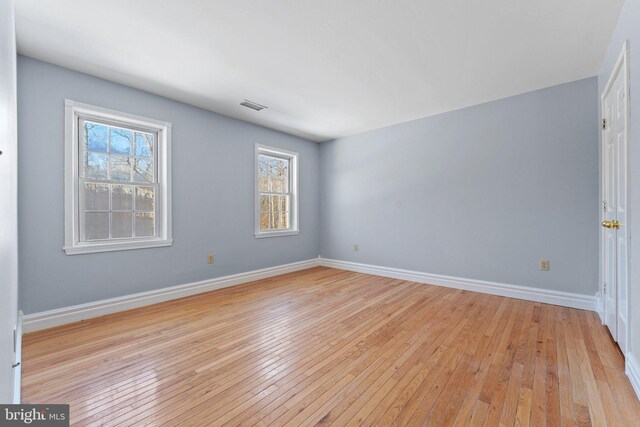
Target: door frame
[(621, 66)]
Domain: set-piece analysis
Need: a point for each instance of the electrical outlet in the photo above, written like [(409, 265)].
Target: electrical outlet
[(544, 265), (355, 247), (211, 259)]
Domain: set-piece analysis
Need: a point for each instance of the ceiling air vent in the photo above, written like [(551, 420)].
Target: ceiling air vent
[(252, 105)]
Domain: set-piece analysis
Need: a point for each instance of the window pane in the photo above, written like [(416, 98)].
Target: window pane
[(263, 165), (280, 220), (122, 198), (263, 173), (273, 174), (274, 203), (281, 203), (264, 221), (264, 203), (145, 199), (280, 167), (263, 183), (121, 141), (273, 166), (95, 137), (279, 176), (96, 165), (96, 197), (279, 185), (145, 224), (144, 144), (143, 170), (121, 224), (96, 225), (120, 168)]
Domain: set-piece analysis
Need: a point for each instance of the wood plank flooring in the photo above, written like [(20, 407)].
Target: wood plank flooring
[(331, 347)]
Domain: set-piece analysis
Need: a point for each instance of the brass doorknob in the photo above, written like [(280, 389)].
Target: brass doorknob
[(611, 224)]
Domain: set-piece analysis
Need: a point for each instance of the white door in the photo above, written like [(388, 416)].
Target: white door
[(614, 213)]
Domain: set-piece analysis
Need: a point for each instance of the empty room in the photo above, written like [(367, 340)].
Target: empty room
[(278, 212)]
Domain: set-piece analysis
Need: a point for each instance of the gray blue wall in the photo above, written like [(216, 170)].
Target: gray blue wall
[(628, 28), (213, 195), (484, 192)]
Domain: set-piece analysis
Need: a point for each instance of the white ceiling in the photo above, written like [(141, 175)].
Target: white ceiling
[(325, 68)]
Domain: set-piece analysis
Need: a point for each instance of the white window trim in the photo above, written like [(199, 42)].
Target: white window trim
[(293, 177), (73, 112)]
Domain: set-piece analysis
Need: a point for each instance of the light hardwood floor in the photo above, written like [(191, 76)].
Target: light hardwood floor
[(325, 346)]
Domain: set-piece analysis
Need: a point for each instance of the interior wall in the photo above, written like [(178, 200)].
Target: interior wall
[(213, 195), (485, 192), (628, 29), (8, 200)]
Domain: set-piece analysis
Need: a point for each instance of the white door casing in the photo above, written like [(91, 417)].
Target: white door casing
[(615, 216), (8, 204)]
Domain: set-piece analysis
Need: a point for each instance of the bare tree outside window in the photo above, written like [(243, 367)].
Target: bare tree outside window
[(274, 194), (118, 181)]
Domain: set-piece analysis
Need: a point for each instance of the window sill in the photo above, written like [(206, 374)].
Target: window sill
[(261, 235), (92, 248)]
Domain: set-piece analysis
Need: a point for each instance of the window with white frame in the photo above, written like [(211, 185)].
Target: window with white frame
[(117, 177), (276, 192)]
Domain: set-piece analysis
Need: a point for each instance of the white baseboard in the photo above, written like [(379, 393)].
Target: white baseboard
[(566, 299), (599, 306), (632, 369), (61, 316)]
